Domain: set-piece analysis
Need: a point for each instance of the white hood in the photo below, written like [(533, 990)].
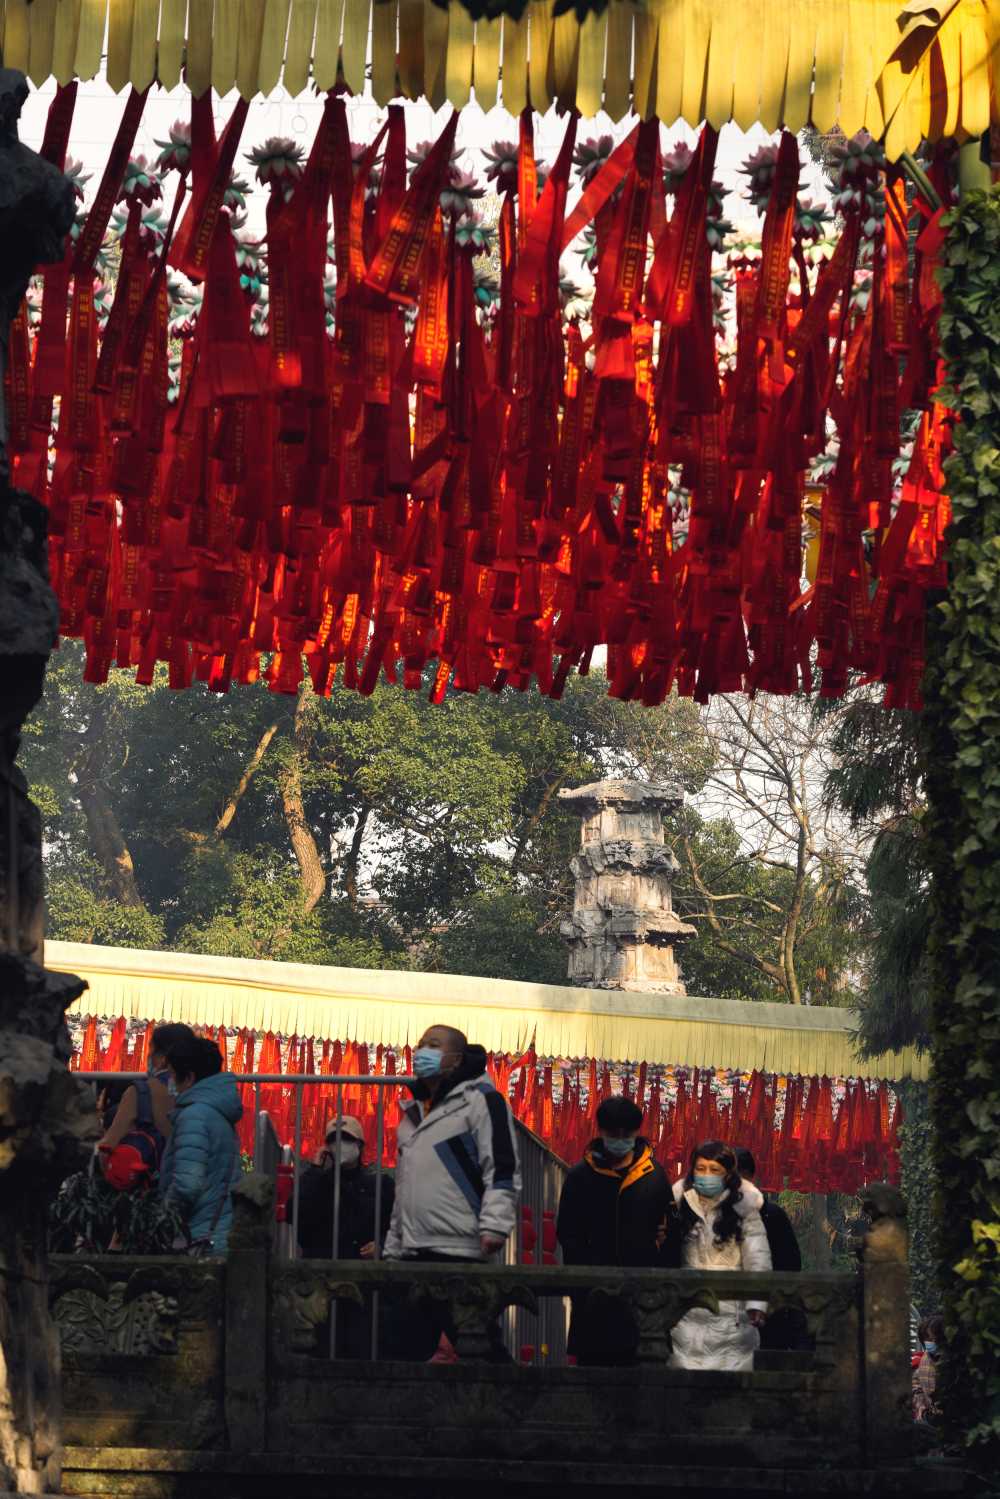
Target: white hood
[(751, 1198)]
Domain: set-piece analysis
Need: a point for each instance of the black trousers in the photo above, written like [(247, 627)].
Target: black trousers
[(602, 1333), (415, 1327)]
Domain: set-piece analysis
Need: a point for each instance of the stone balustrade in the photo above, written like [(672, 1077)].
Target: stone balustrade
[(181, 1374)]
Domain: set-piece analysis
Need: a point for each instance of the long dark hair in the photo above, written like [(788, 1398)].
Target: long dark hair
[(727, 1220)]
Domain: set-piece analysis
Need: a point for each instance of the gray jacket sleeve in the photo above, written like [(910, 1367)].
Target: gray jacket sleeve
[(493, 1126)]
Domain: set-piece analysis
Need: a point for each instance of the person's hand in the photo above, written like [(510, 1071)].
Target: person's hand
[(490, 1243), (368, 1251), (756, 1317)]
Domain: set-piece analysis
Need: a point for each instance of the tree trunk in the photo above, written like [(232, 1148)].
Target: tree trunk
[(110, 848), (543, 806), (819, 1232), (353, 859), (229, 810), (106, 837), (788, 940), (311, 871)]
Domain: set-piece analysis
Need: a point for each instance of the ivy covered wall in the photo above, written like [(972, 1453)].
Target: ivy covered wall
[(918, 1176), (963, 706)]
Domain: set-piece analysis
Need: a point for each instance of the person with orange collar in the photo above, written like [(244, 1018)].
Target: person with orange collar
[(613, 1211)]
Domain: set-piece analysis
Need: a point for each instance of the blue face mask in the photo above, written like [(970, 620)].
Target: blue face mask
[(427, 1061), (930, 1348), (619, 1148), (172, 1087), (709, 1186)]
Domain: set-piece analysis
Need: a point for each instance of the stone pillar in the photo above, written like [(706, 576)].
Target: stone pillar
[(248, 1303), (45, 1118), (623, 930), (886, 1327)]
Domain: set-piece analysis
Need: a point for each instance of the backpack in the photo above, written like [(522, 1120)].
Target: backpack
[(137, 1155)]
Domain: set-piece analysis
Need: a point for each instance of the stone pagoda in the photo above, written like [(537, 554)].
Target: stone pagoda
[(623, 930)]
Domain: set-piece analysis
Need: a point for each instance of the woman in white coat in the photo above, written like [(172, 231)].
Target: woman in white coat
[(719, 1228)]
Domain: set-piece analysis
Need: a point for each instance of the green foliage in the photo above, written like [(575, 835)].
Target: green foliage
[(918, 1186), (876, 780), (88, 1213), (896, 1010), (878, 760), (77, 912), (437, 830), (963, 819), (752, 896), (503, 934)]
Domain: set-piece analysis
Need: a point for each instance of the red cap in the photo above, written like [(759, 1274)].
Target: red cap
[(124, 1167)]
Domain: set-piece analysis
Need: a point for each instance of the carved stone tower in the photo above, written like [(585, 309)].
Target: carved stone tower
[(623, 929)]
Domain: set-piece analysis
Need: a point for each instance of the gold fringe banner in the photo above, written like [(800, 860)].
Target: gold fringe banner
[(43, 30), (65, 40), (392, 1008), (926, 66), (121, 14), (170, 47)]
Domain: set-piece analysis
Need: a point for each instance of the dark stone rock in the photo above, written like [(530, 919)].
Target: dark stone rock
[(45, 1119)]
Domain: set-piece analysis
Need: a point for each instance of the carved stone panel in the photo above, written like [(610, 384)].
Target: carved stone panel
[(91, 1325)]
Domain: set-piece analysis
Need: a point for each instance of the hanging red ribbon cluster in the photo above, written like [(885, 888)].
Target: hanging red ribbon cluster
[(809, 1135), (483, 501)]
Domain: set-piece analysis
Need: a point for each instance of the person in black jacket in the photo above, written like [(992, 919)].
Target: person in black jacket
[(786, 1328), (357, 1229), (613, 1210)]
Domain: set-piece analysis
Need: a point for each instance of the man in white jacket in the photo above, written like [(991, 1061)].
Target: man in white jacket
[(458, 1177)]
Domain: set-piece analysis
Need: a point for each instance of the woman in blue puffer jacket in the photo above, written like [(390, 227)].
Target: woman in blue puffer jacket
[(201, 1163)]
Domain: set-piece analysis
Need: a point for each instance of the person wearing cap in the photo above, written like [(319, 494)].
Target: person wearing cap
[(356, 1229)]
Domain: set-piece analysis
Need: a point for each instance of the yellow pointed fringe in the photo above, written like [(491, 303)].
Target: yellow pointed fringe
[(902, 68)]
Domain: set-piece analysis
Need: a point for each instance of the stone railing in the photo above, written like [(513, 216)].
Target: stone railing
[(477, 1295), (223, 1366)]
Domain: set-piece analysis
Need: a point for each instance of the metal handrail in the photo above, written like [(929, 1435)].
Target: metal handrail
[(381, 1081)]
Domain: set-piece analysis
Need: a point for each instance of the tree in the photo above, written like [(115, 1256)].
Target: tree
[(769, 871), (359, 830), (734, 955), (385, 831), (876, 781)]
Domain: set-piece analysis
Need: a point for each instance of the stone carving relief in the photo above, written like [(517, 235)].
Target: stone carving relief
[(135, 1308), (92, 1325), (302, 1309), (623, 930), (475, 1304)]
